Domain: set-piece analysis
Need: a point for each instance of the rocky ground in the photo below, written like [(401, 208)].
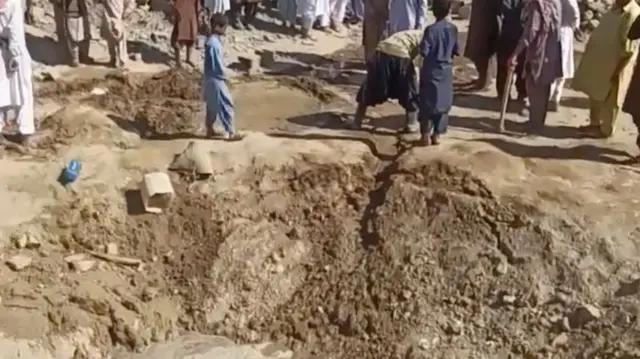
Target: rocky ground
[(309, 240)]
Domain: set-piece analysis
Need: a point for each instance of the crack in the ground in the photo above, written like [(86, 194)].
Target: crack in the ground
[(369, 232)]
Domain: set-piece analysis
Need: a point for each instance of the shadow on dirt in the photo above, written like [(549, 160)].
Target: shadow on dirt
[(585, 152), (46, 50), (336, 120)]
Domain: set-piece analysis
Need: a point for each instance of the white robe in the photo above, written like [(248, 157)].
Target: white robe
[(312, 9), (336, 13), (16, 88), (217, 6), (570, 20)]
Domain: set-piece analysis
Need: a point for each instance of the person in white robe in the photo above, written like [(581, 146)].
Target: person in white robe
[(217, 6), (16, 87), (114, 30), (569, 22), (335, 16), (309, 11)]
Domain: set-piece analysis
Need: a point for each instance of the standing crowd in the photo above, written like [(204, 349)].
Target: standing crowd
[(529, 39)]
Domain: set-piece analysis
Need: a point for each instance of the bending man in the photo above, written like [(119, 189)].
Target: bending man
[(391, 74)]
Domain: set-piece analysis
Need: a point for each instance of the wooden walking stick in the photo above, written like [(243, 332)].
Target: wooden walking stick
[(506, 94)]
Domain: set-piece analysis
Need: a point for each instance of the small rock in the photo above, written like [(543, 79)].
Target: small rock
[(454, 327), (149, 294), (82, 265), (74, 258), (560, 340), (583, 315), (294, 233), (111, 249), (33, 242), (508, 299), (20, 241), (501, 268), (279, 268), (19, 262), (628, 288), (49, 76), (98, 91), (268, 38), (136, 56)]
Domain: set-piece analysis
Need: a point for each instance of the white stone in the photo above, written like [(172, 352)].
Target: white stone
[(19, 262), (156, 191)]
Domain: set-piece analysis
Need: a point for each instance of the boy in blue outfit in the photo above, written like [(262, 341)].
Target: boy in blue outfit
[(438, 47), (216, 93)]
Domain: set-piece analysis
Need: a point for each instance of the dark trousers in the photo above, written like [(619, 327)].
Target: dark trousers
[(435, 124), (501, 76), (236, 11), (538, 103)]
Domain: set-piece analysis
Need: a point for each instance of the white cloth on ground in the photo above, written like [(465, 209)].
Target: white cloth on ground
[(17, 86)]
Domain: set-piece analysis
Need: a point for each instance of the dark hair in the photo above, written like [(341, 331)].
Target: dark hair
[(218, 20), (441, 8)]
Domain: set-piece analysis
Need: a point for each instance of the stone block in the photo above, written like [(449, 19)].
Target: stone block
[(156, 192)]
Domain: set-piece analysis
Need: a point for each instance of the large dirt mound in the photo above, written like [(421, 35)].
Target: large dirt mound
[(332, 260), (163, 105), (79, 124)]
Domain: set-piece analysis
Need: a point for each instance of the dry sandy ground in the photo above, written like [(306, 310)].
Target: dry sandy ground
[(312, 241)]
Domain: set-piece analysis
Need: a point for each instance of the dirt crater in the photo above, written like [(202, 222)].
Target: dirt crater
[(456, 272)]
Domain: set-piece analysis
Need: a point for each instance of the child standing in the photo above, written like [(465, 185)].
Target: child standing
[(438, 47), (216, 93)]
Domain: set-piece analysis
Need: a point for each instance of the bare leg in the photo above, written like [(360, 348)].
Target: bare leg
[(189, 51)]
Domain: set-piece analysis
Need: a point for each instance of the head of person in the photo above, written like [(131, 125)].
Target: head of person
[(441, 8), (217, 24)]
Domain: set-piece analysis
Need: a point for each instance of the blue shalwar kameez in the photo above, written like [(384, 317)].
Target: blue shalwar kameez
[(288, 11), (216, 93), (405, 15), (439, 45)]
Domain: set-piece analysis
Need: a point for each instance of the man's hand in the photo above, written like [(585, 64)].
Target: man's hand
[(13, 65)]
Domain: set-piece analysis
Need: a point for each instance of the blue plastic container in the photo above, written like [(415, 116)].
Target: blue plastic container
[(70, 173)]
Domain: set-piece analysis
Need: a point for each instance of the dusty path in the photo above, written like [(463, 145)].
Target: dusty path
[(315, 241)]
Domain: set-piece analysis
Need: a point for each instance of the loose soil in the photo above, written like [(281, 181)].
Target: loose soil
[(318, 245)]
